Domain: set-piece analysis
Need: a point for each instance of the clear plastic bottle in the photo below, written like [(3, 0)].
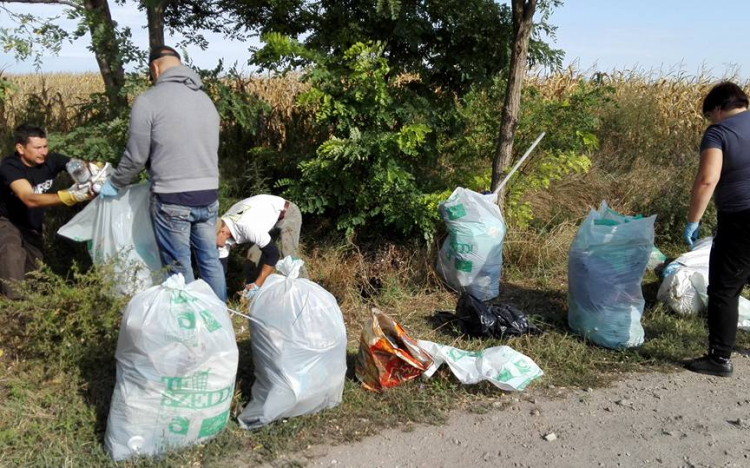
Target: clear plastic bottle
[(78, 170)]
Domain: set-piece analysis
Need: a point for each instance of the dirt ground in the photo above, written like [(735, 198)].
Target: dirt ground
[(677, 419)]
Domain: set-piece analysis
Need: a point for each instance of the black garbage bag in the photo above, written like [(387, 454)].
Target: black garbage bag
[(476, 318)]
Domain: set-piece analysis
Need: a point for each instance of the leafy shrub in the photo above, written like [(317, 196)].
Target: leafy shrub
[(365, 172), (64, 320)]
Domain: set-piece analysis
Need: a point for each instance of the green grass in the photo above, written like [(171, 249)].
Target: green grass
[(57, 374)]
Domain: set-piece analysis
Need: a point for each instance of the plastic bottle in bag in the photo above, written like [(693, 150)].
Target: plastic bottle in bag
[(78, 170)]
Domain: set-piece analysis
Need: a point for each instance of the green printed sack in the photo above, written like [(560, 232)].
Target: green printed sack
[(471, 258), (176, 367), (502, 366)]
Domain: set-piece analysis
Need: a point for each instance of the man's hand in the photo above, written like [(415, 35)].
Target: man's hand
[(76, 194), (690, 235), (250, 291), (108, 190)]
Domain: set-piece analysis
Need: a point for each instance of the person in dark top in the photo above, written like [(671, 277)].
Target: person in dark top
[(724, 173), (26, 178)]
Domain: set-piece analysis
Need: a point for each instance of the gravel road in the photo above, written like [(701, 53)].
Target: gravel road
[(675, 419)]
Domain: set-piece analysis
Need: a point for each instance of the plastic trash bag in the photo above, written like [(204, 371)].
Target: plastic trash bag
[(120, 228), (685, 285), (502, 366), (606, 263), (387, 354), (176, 368), (656, 259), (299, 348), (686, 280), (471, 258), (476, 318)]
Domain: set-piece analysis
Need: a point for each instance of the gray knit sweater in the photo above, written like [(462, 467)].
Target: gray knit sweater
[(174, 126)]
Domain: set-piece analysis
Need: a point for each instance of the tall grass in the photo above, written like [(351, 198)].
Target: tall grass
[(649, 134)]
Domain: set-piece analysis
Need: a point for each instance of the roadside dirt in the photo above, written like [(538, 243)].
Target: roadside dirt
[(675, 419)]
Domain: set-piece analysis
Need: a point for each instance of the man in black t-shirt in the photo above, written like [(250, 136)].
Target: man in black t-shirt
[(26, 177)]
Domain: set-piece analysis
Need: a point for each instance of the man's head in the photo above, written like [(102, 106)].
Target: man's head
[(724, 99), (31, 144), (161, 59), (222, 233)]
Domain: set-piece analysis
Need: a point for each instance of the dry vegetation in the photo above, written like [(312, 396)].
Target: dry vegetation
[(648, 141)]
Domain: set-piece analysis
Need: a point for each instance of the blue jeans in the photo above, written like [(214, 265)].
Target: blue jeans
[(179, 228)]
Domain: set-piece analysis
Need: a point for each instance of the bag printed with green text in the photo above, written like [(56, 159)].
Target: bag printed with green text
[(502, 366), (176, 368), (471, 258)]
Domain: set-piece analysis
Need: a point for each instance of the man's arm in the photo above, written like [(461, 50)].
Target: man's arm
[(23, 190), (270, 255), (709, 172), (264, 272), (138, 148)]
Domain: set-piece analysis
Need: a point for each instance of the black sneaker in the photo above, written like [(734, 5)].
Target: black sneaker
[(711, 366)]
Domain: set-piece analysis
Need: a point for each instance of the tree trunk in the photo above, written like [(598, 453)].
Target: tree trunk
[(107, 51), (155, 16), (523, 13)]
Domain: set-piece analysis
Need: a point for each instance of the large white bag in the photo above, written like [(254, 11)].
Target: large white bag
[(606, 263), (176, 368), (471, 258), (686, 279), (685, 285), (299, 348), (120, 228)]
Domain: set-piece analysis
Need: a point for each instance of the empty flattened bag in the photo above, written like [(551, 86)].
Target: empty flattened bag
[(606, 263), (387, 355)]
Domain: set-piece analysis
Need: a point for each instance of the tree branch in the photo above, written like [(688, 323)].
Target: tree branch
[(68, 3)]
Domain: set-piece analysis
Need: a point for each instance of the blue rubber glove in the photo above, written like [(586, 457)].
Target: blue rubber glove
[(108, 190), (691, 234), (250, 291)]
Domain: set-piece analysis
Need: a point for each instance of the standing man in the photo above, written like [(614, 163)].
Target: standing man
[(26, 177), (174, 133), (260, 220), (724, 173)]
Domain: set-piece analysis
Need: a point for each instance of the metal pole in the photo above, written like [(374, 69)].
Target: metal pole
[(520, 161)]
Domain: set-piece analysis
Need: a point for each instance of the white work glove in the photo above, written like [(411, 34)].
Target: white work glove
[(76, 193)]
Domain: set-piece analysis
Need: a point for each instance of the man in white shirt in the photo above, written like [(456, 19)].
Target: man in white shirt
[(260, 220)]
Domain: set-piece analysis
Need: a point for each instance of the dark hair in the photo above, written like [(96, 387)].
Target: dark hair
[(162, 51), (23, 132), (725, 95)]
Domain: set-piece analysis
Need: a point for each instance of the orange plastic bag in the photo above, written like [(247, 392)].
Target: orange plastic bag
[(387, 355)]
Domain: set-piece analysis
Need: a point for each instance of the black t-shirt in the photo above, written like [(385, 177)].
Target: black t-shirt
[(732, 137), (40, 177)]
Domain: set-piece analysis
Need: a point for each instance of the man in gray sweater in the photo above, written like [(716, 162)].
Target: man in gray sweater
[(174, 133)]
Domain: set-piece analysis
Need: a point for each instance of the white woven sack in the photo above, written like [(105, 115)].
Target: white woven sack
[(299, 348), (176, 368)]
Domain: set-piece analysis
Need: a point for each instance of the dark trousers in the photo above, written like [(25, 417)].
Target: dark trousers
[(728, 272), (20, 249)]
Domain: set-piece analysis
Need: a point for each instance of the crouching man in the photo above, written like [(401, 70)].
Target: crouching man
[(260, 220), (26, 177)]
